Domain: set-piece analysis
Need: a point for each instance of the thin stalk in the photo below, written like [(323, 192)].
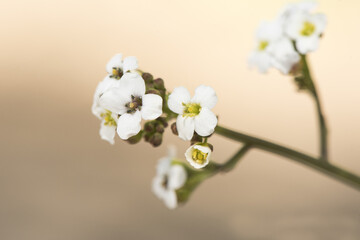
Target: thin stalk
[(321, 118), (324, 167), (230, 164)]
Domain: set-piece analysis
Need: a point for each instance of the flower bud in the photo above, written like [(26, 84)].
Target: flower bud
[(174, 129), (149, 127), (159, 83), (156, 139), (153, 91), (148, 78), (163, 121), (198, 155), (160, 128), (135, 139)]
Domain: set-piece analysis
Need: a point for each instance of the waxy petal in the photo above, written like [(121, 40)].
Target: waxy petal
[(177, 177), (176, 99), (307, 44), (107, 132), (133, 84), (185, 127), (205, 96), (205, 122), (151, 106), (115, 99), (130, 63), (115, 62), (129, 125)]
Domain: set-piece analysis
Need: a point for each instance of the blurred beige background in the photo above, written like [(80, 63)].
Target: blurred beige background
[(58, 180)]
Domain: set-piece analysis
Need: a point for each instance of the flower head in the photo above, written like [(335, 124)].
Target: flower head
[(128, 99), (273, 49), (116, 67), (194, 113), (305, 29), (198, 155), (170, 176)]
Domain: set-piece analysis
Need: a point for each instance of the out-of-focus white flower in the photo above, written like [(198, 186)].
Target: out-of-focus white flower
[(273, 49), (170, 176), (129, 100), (198, 155), (116, 67), (295, 8), (305, 29), (108, 119), (194, 113)]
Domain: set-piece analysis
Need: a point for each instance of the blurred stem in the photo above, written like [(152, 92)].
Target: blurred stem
[(230, 164), (322, 166), (322, 122)]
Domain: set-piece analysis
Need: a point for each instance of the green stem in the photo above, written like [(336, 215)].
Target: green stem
[(322, 122), (324, 167), (230, 164)]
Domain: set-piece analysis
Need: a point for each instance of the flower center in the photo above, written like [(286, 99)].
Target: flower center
[(263, 45), (117, 73), (191, 109), (308, 29), (109, 120), (135, 104), (198, 156)]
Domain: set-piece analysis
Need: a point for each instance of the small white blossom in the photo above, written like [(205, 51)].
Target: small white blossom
[(306, 30), (116, 67), (194, 113), (169, 177), (198, 155), (295, 8), (108, 119), (129, 100), (273, 49)]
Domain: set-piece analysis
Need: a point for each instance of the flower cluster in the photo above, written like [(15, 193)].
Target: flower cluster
[(294, 32)]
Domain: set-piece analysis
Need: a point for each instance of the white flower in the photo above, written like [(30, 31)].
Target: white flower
[(295, 8), (116, 67), (273, 49), (129, 100), (109, 120), (305, 29), (169, 177), (198, 155), (194, 113)]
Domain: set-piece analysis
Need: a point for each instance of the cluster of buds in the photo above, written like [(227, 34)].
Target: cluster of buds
[(154, 130)]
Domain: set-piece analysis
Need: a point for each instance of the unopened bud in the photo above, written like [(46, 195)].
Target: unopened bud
[(135, 139), (174, 129), (163, 121), (148, 78), (149, 127), (159, 83), (160, 128), (153, 91), (156, 139), (147, 137)]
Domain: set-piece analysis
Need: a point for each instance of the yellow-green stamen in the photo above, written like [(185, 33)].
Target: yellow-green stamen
[(263, 45), (308, 29), (198, 156), (191, 109), (109, 120)]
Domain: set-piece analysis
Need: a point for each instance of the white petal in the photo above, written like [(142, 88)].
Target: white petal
[(320, 22), (100, 89), (163, 166), (129, 125), (284, 55), (157, 186), (151, 106), (133, 84), (177, 177), (107, 132), (205, 122), (130, 63), (261, 60), (176, 99), (204, 149), (115, 99), (294, 25), (307, 44), (206, 96), (269, 31), (115, 62), (170, 199), (185, 127)]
